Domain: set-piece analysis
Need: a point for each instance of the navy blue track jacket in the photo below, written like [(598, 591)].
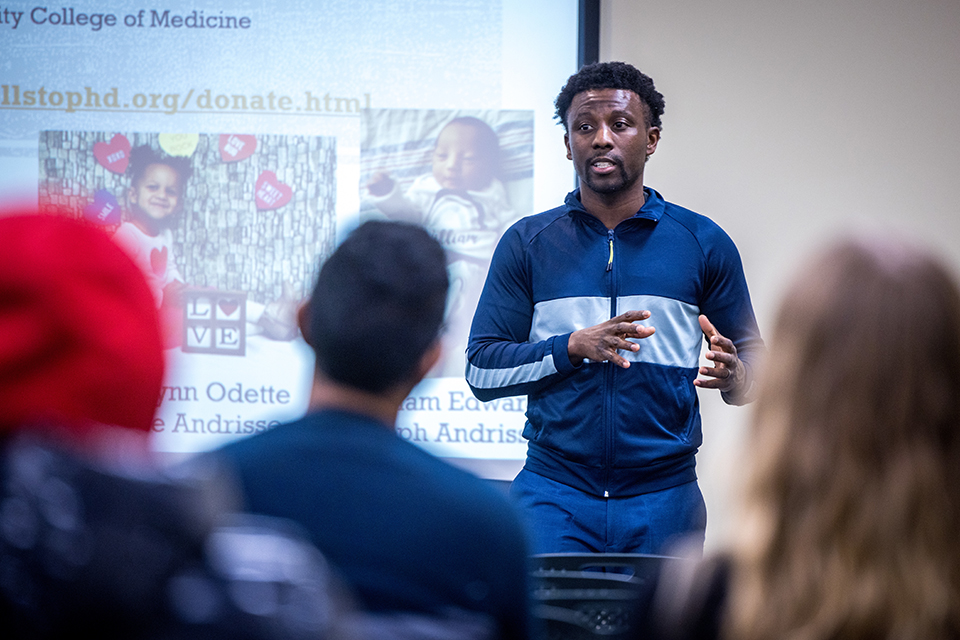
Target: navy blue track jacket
[(602, 429)]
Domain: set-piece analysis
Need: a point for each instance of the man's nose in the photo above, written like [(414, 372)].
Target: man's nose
[(603, 137)]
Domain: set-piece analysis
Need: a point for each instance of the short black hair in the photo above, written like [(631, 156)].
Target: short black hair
[(378, 305), (611, 75)]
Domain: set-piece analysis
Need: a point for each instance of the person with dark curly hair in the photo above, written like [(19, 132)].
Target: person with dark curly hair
[(596, 310), (612, 75)]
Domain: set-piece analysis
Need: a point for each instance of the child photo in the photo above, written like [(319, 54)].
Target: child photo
[(213, 221), (465, 176)]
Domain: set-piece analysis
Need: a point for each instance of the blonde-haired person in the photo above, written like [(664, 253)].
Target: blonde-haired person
[(852, 507)]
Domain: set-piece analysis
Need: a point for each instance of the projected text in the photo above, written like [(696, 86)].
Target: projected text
[(15, 96)]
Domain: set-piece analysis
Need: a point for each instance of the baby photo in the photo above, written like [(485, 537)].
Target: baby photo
[(465, 176)]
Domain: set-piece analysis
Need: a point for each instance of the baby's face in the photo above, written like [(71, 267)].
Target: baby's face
[(157, 193), (459, 159)]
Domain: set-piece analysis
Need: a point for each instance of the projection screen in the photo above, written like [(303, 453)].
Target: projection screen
[(286, 115)]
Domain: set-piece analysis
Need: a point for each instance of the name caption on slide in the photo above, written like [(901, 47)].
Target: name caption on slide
[(236, 393)]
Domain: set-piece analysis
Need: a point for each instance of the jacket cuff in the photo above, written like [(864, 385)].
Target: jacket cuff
[(561, 358), (747, 392)]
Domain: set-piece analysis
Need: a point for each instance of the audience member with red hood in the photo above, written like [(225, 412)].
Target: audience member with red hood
[(94, 538)]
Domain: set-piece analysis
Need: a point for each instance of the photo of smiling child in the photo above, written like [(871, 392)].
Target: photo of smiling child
[(453, 181), (187, 209), (154, 201)]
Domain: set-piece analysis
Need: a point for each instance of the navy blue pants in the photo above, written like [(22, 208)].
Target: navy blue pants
[(561, 519)]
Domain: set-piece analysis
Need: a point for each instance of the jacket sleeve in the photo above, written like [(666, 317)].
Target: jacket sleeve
[(501, 361), (726, 302)]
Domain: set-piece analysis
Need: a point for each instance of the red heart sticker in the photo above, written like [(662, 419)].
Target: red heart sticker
[(235, 147), (158, 261), (270, 193), (114, 155), (228, 306)]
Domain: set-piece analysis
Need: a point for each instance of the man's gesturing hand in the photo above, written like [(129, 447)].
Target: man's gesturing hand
[(728, 373), (602, 341)]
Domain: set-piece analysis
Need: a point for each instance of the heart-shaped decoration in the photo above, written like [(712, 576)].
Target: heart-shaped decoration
[(179, 144), (158, 261), (114, 155), (270, 193), (228, 307), (104, 209), (235, 147)]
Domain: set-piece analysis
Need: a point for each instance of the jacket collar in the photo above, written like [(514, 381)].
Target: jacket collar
[(652, 208)]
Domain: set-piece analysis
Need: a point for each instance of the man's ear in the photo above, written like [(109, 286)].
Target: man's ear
[(566, 143), (303, 321), (653, 138)]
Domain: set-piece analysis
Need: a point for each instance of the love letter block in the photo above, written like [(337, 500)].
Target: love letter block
[(214, 322)]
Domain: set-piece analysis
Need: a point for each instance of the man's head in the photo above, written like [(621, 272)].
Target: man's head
[(611, 75), (378, 306), (611, 115)]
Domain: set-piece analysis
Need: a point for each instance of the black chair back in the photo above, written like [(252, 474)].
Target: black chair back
[(585, 596)]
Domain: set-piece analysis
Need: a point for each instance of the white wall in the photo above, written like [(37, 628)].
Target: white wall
[(788, 123)]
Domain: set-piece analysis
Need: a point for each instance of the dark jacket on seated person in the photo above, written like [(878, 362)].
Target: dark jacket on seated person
[(408, 532)]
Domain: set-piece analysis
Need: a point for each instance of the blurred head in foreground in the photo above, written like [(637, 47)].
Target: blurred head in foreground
[(377, 308), (100, 545), (79, 335), (853, 506)]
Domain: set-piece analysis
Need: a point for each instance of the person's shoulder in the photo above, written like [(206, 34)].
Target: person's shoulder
[(269, 435), (485, 500), (684, 215), (529, 227), (702, 227), (127, 231)]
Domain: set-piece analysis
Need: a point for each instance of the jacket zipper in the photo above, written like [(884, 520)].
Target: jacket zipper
[(611, 375), (610, 259)]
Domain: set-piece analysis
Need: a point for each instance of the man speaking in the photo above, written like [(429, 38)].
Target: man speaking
[(595, 310)]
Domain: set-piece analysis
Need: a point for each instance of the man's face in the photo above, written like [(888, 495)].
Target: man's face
[(608, 139)]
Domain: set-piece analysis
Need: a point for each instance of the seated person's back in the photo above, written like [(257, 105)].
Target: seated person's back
[(407, 531)]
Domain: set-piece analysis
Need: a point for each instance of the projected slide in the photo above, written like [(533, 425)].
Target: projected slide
[(272, 130)]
